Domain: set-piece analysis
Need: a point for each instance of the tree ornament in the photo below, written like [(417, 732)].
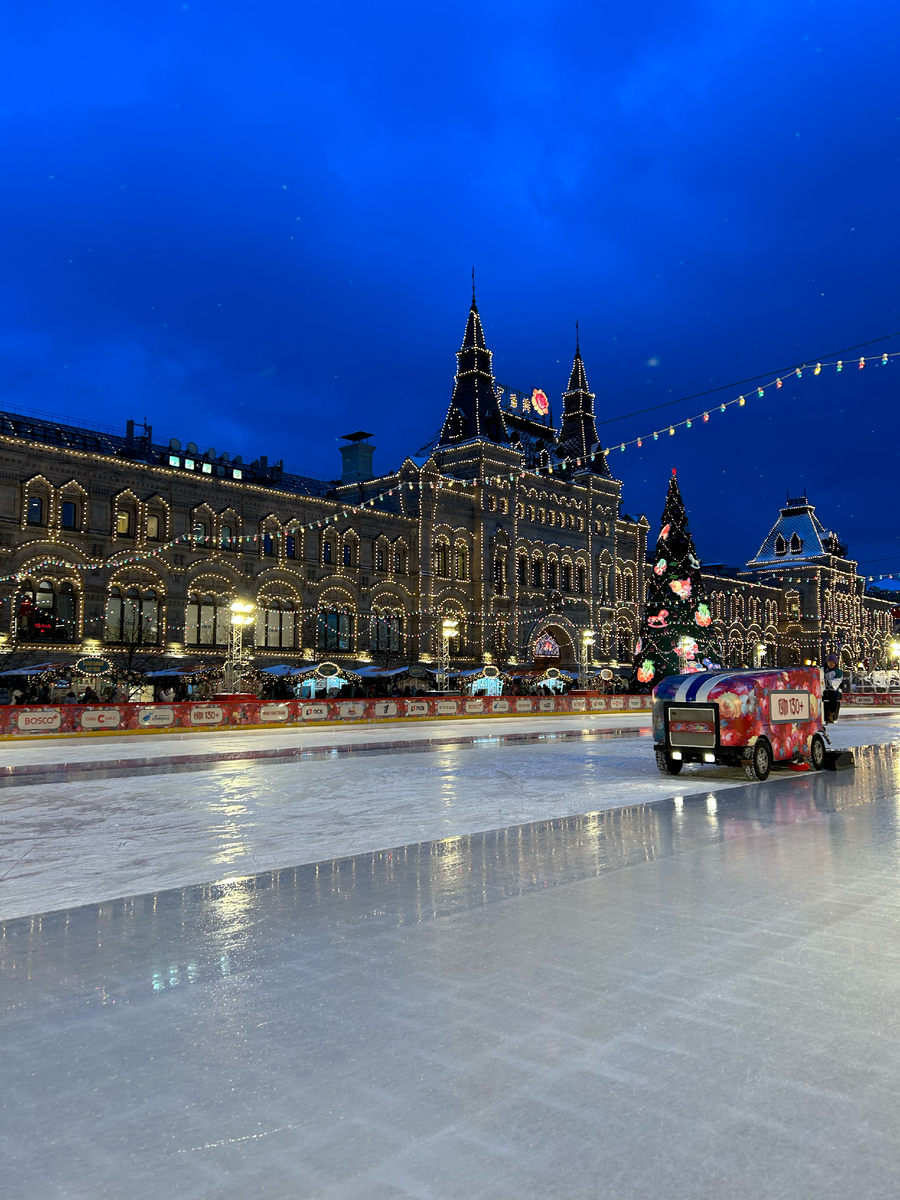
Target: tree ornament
[(660, 567)]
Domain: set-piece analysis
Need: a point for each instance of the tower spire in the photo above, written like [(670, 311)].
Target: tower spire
[(474, 410), (578, 432)]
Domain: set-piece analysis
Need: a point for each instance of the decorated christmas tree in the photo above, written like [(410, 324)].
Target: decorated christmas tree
[(675, 634)]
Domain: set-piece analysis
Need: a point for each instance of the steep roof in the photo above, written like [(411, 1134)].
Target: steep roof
[(578, 433), (474, 410), (797, 536)]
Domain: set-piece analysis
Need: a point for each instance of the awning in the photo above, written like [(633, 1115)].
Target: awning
[(175, 672), (36, 670), (379, 672)]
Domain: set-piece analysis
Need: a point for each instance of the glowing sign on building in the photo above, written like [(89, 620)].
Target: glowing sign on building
[(546, 647), (539, 402)]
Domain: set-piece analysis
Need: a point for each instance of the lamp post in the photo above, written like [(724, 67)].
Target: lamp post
[(587, 641), (449, 630), (241, 616)]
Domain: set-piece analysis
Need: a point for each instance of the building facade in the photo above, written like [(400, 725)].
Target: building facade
[(508, 523)]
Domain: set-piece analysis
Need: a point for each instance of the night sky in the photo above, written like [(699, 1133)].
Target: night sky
[(254, 224)]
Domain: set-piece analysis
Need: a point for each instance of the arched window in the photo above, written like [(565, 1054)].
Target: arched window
[(348, 554), (442, 560), (780, 545), (226, 537), (268, 545), (400, 561), (379, 557), (386, 635), (579, 579), (123, 523), (206, 621), (566, 577), (69, 515), (200, 532), (796, 544), (537, 573), (333, 630), (552, 575), (462, 563), (290, 546), (153, 527), (35, 510), (132, 617), (522, 571), (46, 613), (327, 552), (276, 623)]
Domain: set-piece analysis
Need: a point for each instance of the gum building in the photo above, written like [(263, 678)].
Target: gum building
[(507, 521)]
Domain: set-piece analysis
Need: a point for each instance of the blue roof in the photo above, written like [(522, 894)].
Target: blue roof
[(800, 532)]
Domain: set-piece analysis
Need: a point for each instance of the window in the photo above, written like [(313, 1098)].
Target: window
[(442, 560), (69, 514), (566, 577), (268, 546), (206, 621), (45, 613), (579, 579), (400, 561), (530, 512), (290, 546), (153, 527), (581, 524), (123, 523), (522, 572), (379, 557), (504, 504), (333, 631), (348, 555), (275, 624), (551, 517), (552, 572), (35, 510), (796, 544), (226, 537), (780, 545), (500, 576), (541, 515), (199, 532), (492, 503), (326, 552), (386, 634), (462, 563), (537, 573), (132, 617)]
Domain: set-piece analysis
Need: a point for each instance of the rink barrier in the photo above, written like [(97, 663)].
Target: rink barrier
[(56, 719)]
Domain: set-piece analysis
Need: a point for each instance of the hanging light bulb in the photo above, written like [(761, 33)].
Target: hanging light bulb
[(862, 363), (640, 443), (671, 431), (884, 360), (818, 369), (688, 424), (656, 437), (798, 373), (778, 383), (706, 416), (721, 408), (840, 365), (741, 402)]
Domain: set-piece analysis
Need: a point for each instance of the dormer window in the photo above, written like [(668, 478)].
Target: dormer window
[(780, 545), (796, 544)]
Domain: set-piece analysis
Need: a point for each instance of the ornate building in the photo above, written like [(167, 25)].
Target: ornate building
[(505, 522)]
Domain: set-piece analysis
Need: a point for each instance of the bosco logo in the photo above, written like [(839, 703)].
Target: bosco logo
[(41, 720)]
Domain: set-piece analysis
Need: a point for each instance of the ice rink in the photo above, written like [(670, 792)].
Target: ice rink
[(521, 963)]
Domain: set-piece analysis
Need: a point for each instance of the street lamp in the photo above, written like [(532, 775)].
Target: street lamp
[(449, 630), (587, 641), (760, 653), (241, 616)]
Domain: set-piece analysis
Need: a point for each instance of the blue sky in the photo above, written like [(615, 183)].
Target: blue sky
[(254, 224)]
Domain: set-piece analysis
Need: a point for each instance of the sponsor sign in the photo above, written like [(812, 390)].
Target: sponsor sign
[(617, 702), (274, 712), (635, 702), (447, 708), (100, 718), (500, 706), (788, 706), (207, 714), (156, 718), (579, 703), (598, 704), (474, 706), (524, 705), (350, 711), (39, 720), (416, 708), (385, 708), (547, 704), (314, 712)]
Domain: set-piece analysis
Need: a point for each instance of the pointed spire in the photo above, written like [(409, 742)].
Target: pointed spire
[(578, 433), (474, 409)]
